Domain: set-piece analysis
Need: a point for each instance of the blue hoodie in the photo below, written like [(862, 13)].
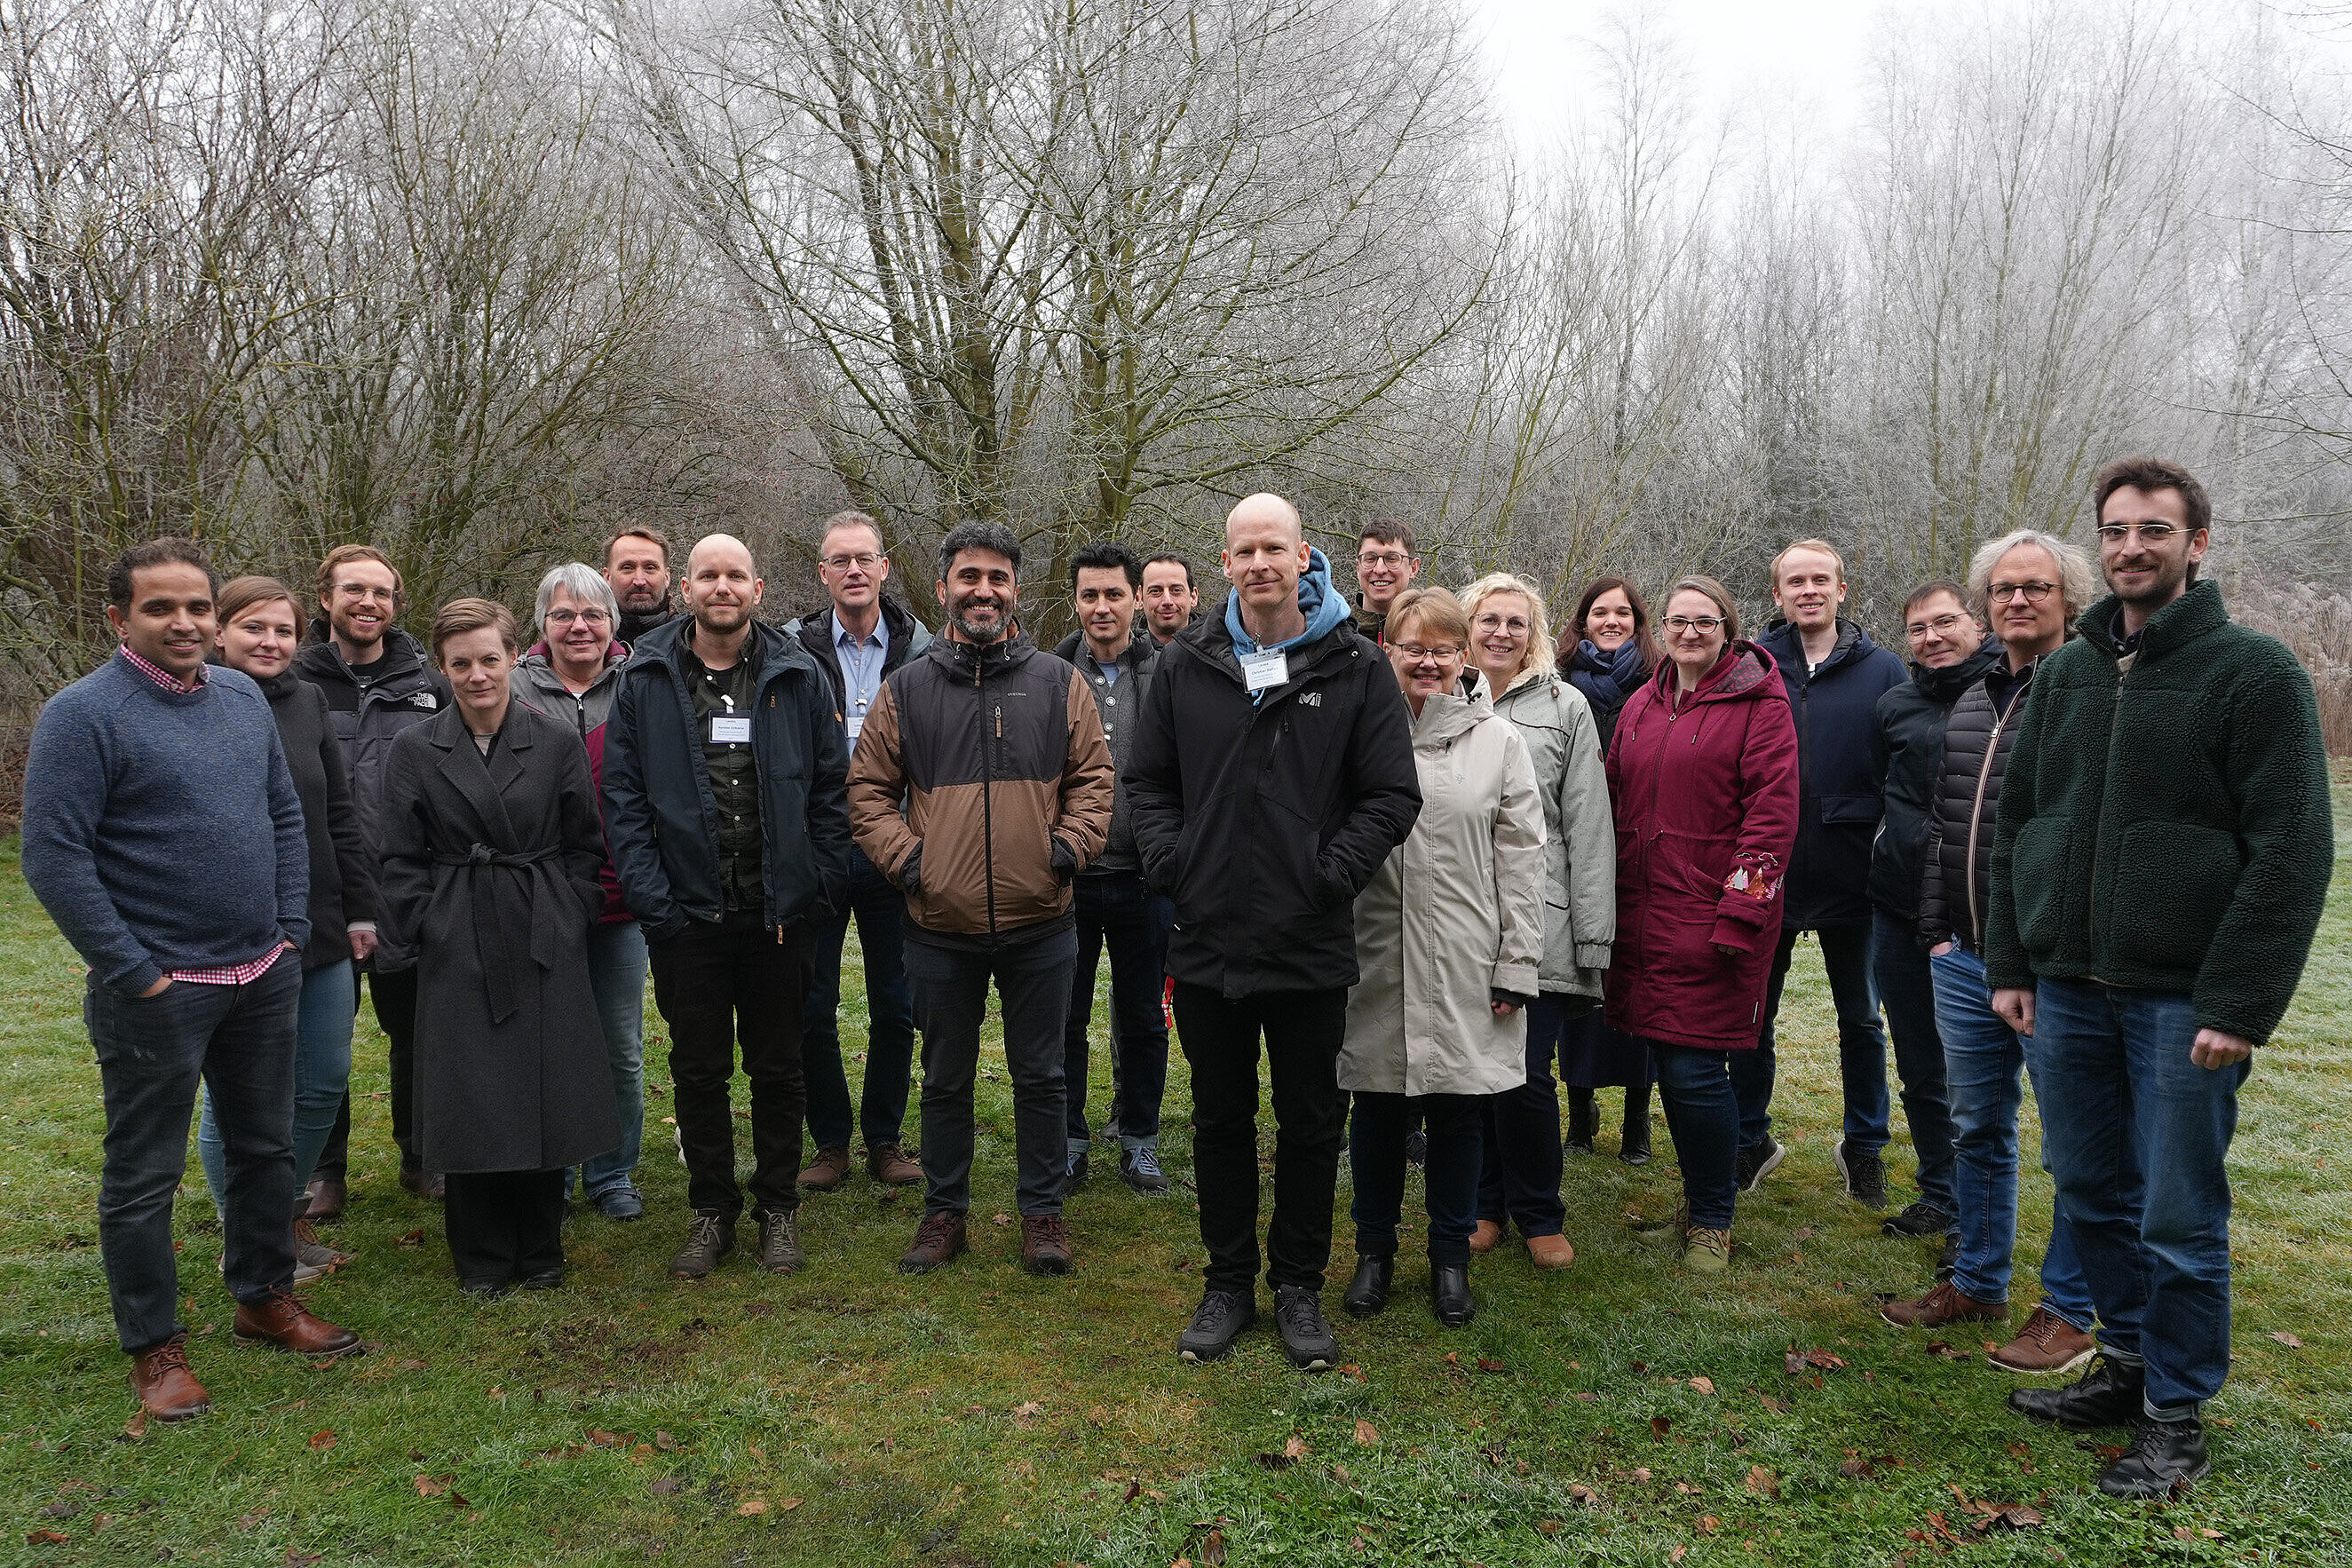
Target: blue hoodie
[(1318, 601)]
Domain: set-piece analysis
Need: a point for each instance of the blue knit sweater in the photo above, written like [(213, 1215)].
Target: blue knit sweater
[(162, 831)]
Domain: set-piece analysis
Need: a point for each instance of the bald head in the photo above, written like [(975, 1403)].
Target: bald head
[(718, 546), (722, 588), (1266, 550), (1263, 508)]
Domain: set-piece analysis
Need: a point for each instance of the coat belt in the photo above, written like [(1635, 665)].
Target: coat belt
[(491, 932)]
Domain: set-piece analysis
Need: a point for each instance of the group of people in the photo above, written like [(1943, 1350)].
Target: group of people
[(1408, 846)]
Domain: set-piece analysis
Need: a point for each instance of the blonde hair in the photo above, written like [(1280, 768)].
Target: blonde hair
[(1819, 546), (1540, 656), (459, 617), (1434, 609), (239, 594)]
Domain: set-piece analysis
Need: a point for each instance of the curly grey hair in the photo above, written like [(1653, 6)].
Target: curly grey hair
[(2076, 581)]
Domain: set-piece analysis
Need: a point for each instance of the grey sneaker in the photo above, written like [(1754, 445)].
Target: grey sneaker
[(1864, 1173), (709, 1242), (1305, 1335), (1216, 1324), (780, 1243), (1140, 1168)]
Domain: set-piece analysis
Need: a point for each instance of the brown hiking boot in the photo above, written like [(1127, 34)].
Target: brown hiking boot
[(2048, 1343), (1483, 1238), (892, 1166), (710, 1243), (937, 1240), (779, 1244), (327, 1195), (282, 1321), (1942, 1305), (1044, 1243), (1550, 1251), (827, 1171), (167, 1390)]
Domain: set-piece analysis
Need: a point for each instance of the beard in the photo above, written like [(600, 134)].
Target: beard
[(643, 599), (722, 619), (960, 610), (2162, 589)]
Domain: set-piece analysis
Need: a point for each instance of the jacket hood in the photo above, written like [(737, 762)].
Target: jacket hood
[(666, 644), (1782, 640), (1943, 687), (973, 659), (2190, 617), (1527, 680), (1448, 716), (1744, 667), (1319, 601)]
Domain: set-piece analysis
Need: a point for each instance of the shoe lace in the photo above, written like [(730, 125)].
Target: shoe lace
[(1050, 1230), (937, 1227), (1146, 1163), (172, 1353), (2041, 1328), (1300, 1311), (1715, 1241), (705, 1232), (1216, 1306)]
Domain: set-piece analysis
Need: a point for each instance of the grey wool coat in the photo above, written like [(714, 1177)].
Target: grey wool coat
[(1580, 829), (489, 865)]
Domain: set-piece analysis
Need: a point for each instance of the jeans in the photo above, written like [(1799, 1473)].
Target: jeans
[(1862, 1044), (881, 913), (1303, 1030), (394, 996), (2137, 1135), (504, 1224), (1116, 911), (616, 973), (1703, 1119), (1519, 1162), (1984, 1061), (1033, 991), (1898, 965), (323, 1075), (153, 1051), (1456, 1126), (715, 982)]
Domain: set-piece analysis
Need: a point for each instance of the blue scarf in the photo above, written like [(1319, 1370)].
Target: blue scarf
[(1606, 678), (1319, 601)]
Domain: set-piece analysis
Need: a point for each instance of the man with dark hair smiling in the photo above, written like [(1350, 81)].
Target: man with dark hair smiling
[(1386, 564), (163, 834), (2159, 865), (1168, 596), (637, 568)]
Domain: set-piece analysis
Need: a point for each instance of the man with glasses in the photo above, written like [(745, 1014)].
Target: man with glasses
[(860, 638), (2159, 864), (1385, 567), (377, 682)]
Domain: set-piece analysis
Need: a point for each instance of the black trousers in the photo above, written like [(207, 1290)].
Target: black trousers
[(504, 1224), (396, 1012), (719, 983), (1303, 1031)]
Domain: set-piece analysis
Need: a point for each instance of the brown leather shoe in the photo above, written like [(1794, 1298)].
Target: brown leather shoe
[(827, 1171), (939, 1240), (282, 1321), (1045, 1244), (1483, 1238), (1943, 1304), (1550, 1251), (2047, 1345), (167, 1390), (890, 1165), (327, 1194)]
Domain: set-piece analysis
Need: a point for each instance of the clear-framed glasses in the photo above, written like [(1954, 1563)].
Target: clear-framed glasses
[(1391, 559), (591, 617), (1496, 621), (1702, 625), (864, 560), (2032, 593), (1416, 653), (1941, 626), (2149, 532)]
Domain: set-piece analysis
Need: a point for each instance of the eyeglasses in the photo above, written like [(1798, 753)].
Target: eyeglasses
[(2149, 532), (864, 561), (1940, 626), (1382, 558), (362, 591), (569, 618), (1416, 653), (1703, 625), (2032, 593)]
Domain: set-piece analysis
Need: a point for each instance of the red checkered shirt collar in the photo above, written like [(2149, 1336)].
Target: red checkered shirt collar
[(164, 678)]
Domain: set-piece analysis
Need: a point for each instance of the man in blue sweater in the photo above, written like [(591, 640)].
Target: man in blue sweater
[(164, 836)]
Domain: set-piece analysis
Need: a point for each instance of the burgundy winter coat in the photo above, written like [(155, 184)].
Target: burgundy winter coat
[(1706, 816)]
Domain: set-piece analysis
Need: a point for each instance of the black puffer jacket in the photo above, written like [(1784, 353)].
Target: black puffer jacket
[(1955, 880), (1906, 754)]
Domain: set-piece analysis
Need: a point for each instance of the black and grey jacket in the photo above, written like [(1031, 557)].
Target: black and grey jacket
[(1120, 704), (1956, 872)]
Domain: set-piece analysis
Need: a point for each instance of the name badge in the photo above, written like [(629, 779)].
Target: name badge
[(727, 731), (856, 724), (1261, 670)]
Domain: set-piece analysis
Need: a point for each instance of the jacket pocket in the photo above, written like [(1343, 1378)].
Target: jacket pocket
[(1850, 810), (2038, 882), (2198, 869)]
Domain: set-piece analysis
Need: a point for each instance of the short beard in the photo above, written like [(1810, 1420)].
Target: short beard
[(982, 635), (703, 621), (2163, 590)]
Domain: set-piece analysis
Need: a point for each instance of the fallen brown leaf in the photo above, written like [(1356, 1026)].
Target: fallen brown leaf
[(789, 1504), (2288, 1340), (1295, 1447), (427, 1487), (665, 1442), (1001, 1219), (295, 1559), (1704, 1385), (668, 1486), (1678, 1553), (1776, 1406), (2008, 1515), (46, 1537), (1549, 1527), (1856, 1470), (1488, 1364), (1028, 1407), (322, 1440), (1213, 1548), (1660, 1425), (1643, 1474), (1366, 1433), (1134, 1489), (1709, 1523), (1762, 1482), (1939, 1348), (750, 1507), (1583, 1496)]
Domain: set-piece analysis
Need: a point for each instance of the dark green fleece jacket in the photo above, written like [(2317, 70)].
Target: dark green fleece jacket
[(2164, 819)]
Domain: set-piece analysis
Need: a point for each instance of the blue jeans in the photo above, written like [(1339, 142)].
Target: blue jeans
[(1520, 1166), (1898, 966), (2138, 1134), (323, 1074), (1862, 1044), (1116, 910), (1033, 991), (1703, 1119), (616, 973), (1984, 1061), (881, 912), (153, 1052), (1455, 1124)]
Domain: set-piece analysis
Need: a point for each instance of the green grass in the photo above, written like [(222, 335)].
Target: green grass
[(980, 1416)]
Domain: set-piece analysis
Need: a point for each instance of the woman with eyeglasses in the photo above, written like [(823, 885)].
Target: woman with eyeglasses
[(1703, 773), (1449, 938), (1511, 646)]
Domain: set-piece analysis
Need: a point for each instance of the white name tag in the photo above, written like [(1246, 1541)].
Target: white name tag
[(857, 722), (725, 731), (1264, 670)]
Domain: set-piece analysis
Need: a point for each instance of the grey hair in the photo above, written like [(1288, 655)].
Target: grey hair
[(1539, 650), (583, 582), (2076, 581)]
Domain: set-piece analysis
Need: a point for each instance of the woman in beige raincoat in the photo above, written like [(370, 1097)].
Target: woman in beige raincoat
[(1449, 938)]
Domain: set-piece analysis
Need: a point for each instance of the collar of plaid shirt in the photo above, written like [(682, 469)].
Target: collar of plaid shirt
[(164, 678)]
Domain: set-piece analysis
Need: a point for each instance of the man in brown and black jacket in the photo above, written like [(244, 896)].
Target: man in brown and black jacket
[(981, 786)]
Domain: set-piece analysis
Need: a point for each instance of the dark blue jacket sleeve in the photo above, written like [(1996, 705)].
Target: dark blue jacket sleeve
[(629, 820)]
